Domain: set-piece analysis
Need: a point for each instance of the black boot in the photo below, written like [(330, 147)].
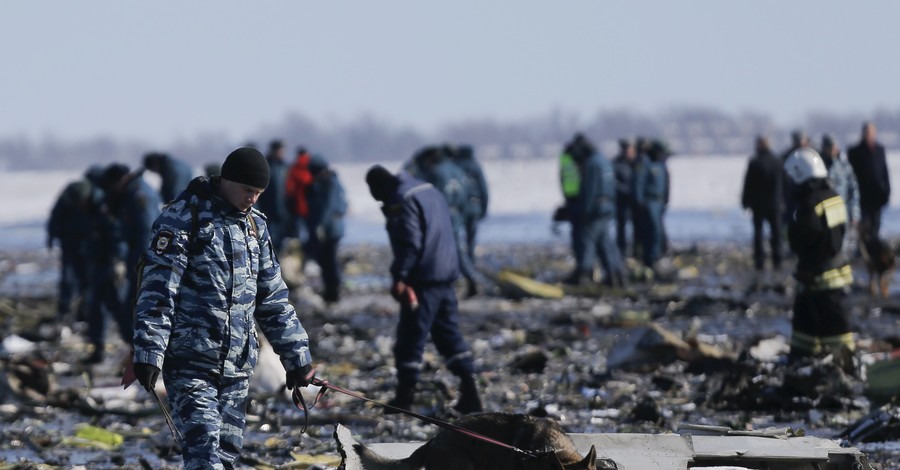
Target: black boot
[(469, 401), (403, 397)]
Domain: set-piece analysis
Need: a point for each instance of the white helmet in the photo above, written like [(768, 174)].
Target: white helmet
[(805, 164)]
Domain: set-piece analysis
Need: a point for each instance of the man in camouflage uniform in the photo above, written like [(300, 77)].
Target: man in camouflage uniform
[(209, 274)]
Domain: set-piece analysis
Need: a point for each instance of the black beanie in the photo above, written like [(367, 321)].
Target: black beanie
[(246, 165)]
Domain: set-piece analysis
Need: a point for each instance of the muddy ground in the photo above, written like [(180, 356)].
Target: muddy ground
[(589, 359)]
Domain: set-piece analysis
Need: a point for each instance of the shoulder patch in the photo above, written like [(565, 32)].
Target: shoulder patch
[(163, 241)]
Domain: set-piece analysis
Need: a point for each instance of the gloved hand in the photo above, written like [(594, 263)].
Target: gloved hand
[(146, 374), (298, 378)]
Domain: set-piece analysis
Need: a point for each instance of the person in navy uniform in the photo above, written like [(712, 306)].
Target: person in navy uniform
[(174, 173), (763, 196), (423, 273)]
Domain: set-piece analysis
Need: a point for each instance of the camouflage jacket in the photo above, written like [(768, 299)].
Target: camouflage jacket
[(208, 273), (844, 181)]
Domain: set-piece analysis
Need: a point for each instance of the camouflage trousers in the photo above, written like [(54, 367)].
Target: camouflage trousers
[(210, 411)]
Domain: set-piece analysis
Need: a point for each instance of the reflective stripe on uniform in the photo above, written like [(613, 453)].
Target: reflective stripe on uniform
[(834, 209), (833, 279), (801, 342)]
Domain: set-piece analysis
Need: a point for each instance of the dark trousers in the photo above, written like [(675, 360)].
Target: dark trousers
[(436, 315), (759, 252), (624, 216), (820, 318), (107, 299), (464, 250), (651, 214), (871, 217), (73, 279), (324, 251)]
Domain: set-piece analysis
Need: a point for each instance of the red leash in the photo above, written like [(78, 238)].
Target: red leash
[(325, 385)]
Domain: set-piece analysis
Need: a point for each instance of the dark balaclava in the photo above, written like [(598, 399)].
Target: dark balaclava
[(381, 182), (246, 165)]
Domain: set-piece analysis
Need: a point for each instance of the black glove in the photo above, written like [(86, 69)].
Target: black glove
[(146, 374), (297, 378)]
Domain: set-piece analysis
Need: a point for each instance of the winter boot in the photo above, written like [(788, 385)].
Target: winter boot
[(469, 401), (403, 397)]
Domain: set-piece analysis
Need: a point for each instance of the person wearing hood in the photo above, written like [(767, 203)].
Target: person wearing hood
[(210, 278), (423, 271), (327, 206), (816, 233), (174, 173)]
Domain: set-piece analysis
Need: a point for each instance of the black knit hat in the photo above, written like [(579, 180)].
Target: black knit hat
[(246, 165)]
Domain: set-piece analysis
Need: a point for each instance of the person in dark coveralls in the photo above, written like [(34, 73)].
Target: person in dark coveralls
[(763, 196), (209, 277), (67, 226), (594, 211), (424, 271), (273, 202), (870, 166), (174, 173), (476, 190), (816, 233), (623, 165), (327, 206), (133, 205)]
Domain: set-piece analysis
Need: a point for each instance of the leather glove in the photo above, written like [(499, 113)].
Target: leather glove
[(298, 378), (146, 374)]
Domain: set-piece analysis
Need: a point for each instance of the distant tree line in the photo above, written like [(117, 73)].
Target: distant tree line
[(688, 130)]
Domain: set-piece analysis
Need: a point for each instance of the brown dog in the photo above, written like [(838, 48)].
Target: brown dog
[(880, 260), (453, 450)]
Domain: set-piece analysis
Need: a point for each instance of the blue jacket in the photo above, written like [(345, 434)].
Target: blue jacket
[(449, 179), (474, 185), (421, 234), (175, 175), (651, 182), (597, 194), (327, 201), (273, 201), (136, 207), (209, 278)]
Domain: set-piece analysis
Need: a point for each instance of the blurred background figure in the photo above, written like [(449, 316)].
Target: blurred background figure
[(67, 225), (763, 196), (651, 195), (842, 178), (327, 207), (174, 173), (623, 165), (299, 179), (435, 165), (799, 140), (212, 169), (870, 166), (476, 188), (593, 211), (273, 202)]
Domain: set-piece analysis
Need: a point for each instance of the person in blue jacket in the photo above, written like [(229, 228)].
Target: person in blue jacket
[(476, 190), (594, 210), (210, 278), (174, 173), (327, 206), (651, 195), (449, 178), (423, 272), (273, 202)]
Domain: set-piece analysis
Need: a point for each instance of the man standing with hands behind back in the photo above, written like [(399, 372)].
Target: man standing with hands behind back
[(209, 276), (424, 270)]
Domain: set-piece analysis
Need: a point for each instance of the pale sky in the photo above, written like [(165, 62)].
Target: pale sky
[(164, 70)]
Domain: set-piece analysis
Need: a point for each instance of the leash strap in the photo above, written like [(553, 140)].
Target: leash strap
[(175, 433), (326, 385)]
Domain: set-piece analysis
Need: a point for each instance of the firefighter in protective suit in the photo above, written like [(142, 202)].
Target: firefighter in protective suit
[(816, 233)]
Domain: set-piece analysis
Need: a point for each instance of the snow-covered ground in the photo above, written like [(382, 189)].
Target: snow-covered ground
[(705, 200)]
